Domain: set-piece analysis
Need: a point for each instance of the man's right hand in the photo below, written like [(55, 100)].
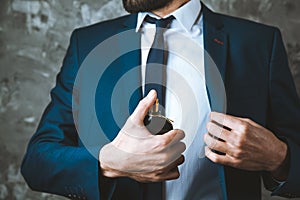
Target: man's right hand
[(137, 154)]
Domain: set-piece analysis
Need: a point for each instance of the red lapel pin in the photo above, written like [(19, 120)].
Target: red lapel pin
[(216, 40)]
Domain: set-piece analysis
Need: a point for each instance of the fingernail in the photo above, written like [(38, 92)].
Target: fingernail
[(151, 93)]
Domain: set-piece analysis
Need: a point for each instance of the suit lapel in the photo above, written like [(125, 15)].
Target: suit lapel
[(115, 90), (215, 44), (129, 45), (215, 39)]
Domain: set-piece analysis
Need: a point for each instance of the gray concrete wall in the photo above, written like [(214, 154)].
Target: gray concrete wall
[(34, 35)]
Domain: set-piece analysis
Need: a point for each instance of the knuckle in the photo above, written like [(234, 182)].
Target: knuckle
[(238, 153), (218, 131), (207, 139), (247, 120), (245, 126), (237, 162), (208, 144), (143, 104), (215, 129), (215, 159), (238, 122), (159, 144), (211, 143), (239, 142), (156, 178), (163, 143), (165, 158), (183, 146)]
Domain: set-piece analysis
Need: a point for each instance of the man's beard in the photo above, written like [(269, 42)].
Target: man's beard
[(135, 6)]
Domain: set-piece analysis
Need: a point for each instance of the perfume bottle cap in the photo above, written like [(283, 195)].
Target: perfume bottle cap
[(155, 109)]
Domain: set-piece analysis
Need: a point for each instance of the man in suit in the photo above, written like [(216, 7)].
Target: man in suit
[(258, 136)]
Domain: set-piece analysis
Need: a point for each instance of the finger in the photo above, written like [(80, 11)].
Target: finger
[(219, 131), (215, 144), (172, 165), (172, 154), (229, 121), (170, 175), (172, 137), (176, 163), (171, 170), (157, 177), (220, 159), (173, 174), (143, 107)]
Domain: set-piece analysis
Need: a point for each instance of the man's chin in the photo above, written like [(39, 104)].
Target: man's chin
[(135, 6)]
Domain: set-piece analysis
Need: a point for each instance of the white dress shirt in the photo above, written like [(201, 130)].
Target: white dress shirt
[(187, 102)]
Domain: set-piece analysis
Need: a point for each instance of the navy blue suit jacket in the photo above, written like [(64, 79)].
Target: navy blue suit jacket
[(253, 63)]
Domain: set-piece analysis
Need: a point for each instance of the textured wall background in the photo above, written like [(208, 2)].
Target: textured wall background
[(34, 35)]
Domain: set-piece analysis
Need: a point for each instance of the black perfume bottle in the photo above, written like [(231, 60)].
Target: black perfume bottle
[(155, 122)]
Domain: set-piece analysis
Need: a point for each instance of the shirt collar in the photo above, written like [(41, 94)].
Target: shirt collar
[(185, 15)]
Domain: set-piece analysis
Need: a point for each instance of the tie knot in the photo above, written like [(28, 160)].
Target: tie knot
[(160, 23)]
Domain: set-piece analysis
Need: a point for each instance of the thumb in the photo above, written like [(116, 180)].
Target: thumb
[(143, 107)]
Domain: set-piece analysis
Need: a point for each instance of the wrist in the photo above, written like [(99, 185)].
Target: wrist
[(106, 164), (108, 172), (279, 171)]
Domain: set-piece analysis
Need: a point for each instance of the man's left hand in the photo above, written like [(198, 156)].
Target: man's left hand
[(246, 145)]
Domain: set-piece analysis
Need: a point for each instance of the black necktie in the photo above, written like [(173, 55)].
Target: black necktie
[(156, 62), (155, 79)]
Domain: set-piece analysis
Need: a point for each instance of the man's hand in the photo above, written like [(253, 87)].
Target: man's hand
[(137, 154), (246, 144)]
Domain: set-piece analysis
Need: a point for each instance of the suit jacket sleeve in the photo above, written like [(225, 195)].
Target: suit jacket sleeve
[(54, 161), (284, 115)]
